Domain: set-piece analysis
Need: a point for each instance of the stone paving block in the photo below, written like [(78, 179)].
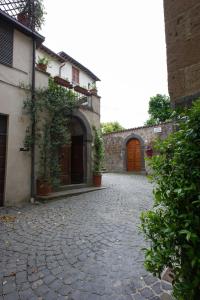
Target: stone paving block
[(86, 247)]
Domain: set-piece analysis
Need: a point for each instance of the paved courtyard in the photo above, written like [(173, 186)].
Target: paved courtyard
[(86, 247)]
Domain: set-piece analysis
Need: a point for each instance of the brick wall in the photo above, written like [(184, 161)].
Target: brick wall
[(115, 145), (182, 27)]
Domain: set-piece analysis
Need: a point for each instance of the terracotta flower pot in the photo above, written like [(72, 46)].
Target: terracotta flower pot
[(97, 179), (23, 18), (43, 187), (42, 67)]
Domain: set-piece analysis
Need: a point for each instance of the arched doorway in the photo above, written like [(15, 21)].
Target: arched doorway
[(133, 150), (74, 158)]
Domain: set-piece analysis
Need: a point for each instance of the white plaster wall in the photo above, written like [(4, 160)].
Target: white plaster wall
[(41, 80), (53, 65), (12, 96), (66, 73), (22, 52), (17, 185), (66, 70)]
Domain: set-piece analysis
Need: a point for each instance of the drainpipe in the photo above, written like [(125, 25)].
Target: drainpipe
[(33, 128), (33, 117), (61, 66)]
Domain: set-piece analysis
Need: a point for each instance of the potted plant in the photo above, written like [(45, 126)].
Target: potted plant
[(23, 18), (98, 157), (43, 183), (42, 63), (32, 13)]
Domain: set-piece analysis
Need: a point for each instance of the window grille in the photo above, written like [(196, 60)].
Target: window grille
[(6, 43)]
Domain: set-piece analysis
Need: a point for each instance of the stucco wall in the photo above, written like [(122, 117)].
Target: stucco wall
[(12, 96), (66, 70), (115, 145), (182, 26), (17, 177)]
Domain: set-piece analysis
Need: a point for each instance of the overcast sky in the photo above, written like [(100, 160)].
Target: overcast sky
[(122, 42)]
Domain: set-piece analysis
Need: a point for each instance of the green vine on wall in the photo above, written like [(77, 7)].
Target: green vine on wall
[(52, 110), (98, 151)]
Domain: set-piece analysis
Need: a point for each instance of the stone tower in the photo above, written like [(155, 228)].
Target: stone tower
[(182, 27)]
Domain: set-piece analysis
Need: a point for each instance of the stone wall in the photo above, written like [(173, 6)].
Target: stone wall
[(115, 144), (182, 26)]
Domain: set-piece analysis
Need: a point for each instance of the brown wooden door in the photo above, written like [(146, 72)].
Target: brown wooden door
[(77, 159), (65, 164), (3, 133), (133, 156)]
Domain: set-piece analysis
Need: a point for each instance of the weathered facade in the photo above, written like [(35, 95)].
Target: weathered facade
[(182, 26), (76, 158), (126, 150), (16, 66)]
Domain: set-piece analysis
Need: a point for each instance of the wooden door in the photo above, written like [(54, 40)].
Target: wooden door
[(133, 156), (65, 164), (77, 159), (3, 133)]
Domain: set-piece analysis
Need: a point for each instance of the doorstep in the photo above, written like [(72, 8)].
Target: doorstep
[(69, 193)]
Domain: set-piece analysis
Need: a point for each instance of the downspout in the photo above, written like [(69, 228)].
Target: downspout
[(33, 126), (33, 106), (61, 66)]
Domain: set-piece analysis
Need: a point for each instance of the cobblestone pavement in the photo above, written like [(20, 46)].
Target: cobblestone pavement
[(86, 247)]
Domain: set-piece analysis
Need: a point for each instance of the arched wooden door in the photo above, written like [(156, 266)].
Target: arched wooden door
[(133, 148)]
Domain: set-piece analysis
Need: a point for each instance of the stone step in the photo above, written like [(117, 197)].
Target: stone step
[(71, 187), (69, 193)]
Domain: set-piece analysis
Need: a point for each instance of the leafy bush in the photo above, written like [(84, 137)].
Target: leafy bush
[(98, 151), (173, 225)]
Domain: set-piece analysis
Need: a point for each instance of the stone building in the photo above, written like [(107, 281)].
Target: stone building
[(125, 150), (17, 66), (182, 26)]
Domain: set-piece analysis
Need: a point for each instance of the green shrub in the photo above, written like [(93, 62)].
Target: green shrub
[(98, 151), (173, 225)]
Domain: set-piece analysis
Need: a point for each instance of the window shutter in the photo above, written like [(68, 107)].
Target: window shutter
[(6, 43)]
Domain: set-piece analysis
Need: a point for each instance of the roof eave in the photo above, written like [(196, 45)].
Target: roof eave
[(79, 65)]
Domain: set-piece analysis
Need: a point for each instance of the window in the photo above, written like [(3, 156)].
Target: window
[(75, 75), (6, 43)]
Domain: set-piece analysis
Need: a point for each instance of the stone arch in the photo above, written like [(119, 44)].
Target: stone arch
[(80, 116), (87, 145), (124, 150)]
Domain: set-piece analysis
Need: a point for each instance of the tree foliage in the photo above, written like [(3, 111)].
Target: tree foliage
[(109, 127), (173, 225), (159, 109)]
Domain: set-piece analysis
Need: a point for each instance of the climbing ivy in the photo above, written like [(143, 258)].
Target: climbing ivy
[(51, 111), (173, 225)]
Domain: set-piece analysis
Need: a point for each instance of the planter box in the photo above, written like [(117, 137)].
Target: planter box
[(82, 90), (63, 82)]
